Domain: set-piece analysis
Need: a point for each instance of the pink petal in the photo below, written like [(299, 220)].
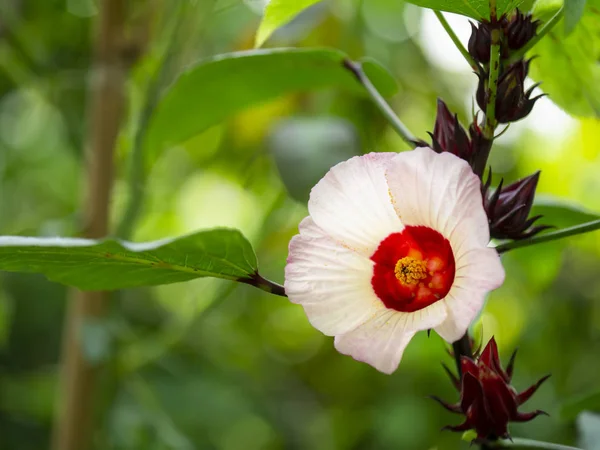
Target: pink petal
[(381, 341), (331, 282), (352, 205)]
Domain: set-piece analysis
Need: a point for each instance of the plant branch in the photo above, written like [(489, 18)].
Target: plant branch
[(547, 28), (490, 112), (461, 48), (553, 236), (73, 429), (383, 106), (530, 443)]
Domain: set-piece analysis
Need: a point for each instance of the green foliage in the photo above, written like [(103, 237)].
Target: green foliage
[(233, 82), (568, 65), (573, 13), (577, 405), (110, 264), (561, 213), (305, 149), (477, 9), (210, 364), (278, 13)]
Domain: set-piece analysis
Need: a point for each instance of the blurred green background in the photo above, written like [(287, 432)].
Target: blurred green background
[(213, 365)]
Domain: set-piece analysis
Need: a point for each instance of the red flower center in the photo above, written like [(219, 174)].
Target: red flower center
[(413, 269)]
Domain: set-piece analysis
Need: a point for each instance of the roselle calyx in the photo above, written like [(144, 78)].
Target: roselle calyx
[(487, 399), (520, 30), (513, 102), (450, 136), (508, 209), (480, 42), (516, 31)]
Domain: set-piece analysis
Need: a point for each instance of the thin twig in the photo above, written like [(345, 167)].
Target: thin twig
[(530, 443), (383, 106), (461, 48), (547, 28), (553, 236)]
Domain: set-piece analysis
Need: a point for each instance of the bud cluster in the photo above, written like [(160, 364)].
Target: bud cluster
[(513, 101), (516, 33), (487, 399)]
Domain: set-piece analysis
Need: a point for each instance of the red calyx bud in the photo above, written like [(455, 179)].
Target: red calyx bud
[(487, 399), (449, 135), (480, 42), (508, 209), (520, 30), (513, 102)]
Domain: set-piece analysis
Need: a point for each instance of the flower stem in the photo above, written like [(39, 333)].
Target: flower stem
[(461, 48), (383, 106), (548, 27), (462, 347), (553, 236), (266, 285), (490, 112), (530, 443)]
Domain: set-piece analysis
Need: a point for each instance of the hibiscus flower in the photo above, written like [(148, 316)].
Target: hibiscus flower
[(394, 244)]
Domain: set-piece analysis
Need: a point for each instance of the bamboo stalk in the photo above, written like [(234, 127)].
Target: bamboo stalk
[(74, 427)]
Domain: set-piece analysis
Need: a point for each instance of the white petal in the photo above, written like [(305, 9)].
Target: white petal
[(381, 341), (439, 191), (352, 203), (477, 272), (331, 282)]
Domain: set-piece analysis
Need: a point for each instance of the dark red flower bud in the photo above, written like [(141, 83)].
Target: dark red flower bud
[(487, 399), (513, 102), (481, 147), (508, 209), (480, 42), (449, 135), (520, 30)]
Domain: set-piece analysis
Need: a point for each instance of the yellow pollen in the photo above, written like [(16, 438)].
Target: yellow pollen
[(410, 270)]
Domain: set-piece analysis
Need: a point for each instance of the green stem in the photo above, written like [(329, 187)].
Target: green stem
[(530, 443), (493, 11), (547, 27), (548, 237), (461, 48), (383, 106), (490, 112)]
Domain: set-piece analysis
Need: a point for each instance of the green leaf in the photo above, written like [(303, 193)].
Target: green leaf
[(574, 407), (110, 264), (305, 149), (568, 66), (573, 13), (561, 213), (278, 13), (477, 9), (213, 90)]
